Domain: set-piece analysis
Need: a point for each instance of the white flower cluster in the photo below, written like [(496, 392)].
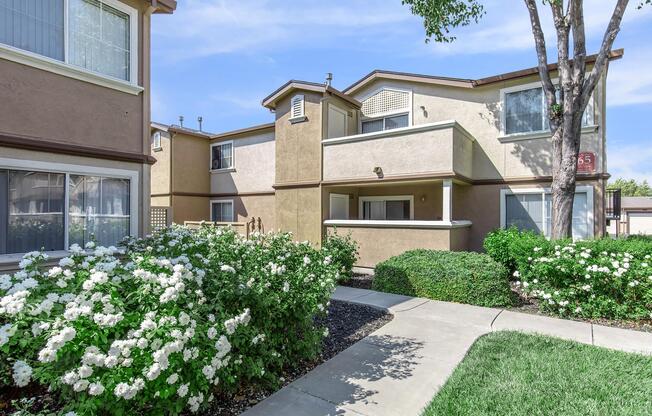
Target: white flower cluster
[(22, 373)]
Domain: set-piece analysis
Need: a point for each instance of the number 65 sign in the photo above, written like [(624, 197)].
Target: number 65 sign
[(586, 162)]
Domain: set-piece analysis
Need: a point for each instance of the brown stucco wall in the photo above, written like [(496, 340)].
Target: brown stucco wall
[(190, 164), (190, 208), (162, 169), (298, 210), (378, 244)]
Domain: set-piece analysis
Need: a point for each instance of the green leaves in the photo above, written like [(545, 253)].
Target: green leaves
[(441, 16)]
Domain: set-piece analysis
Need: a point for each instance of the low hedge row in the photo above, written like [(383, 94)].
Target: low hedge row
[(462, 277)]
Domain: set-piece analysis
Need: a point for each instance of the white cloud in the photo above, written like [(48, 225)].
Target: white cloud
[(630, 81), (210, 27), (630, 162)]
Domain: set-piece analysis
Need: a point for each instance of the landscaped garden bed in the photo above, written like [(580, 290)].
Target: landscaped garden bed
[(509, 373), (180, 318)]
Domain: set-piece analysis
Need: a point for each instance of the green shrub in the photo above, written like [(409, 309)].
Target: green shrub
[(463, 277), (343, 251), (181, 315), (511, 247), (605, 278)]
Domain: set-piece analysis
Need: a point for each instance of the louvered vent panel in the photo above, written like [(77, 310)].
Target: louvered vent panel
[(385, 101), (297, 106)]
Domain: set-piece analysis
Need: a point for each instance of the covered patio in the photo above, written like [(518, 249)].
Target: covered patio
[(386, 219)]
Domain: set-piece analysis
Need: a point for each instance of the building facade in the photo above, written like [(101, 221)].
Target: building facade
[(400, 161), (74, 122)]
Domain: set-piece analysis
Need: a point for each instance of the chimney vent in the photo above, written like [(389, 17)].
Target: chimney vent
[(181, 121), (199, 120), (329, 79)]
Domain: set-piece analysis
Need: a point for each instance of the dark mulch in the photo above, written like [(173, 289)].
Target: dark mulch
[(531, 306), (347, 324), (527, 305), (359, 281)]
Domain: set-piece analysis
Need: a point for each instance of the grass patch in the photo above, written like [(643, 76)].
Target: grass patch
[(509, 373)]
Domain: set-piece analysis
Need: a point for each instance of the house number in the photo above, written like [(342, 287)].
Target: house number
[(586, 162)]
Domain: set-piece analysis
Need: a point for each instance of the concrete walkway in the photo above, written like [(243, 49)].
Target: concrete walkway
[(399, 368)]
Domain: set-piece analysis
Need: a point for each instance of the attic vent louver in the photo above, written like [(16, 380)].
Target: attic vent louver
[(297, 106)]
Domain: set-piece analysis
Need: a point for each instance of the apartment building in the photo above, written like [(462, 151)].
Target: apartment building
[(398, 160), (74, 122)]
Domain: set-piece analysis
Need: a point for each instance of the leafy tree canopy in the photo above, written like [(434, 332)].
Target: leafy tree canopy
[(631, 187)]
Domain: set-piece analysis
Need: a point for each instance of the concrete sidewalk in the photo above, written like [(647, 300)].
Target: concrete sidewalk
[(399, 368)]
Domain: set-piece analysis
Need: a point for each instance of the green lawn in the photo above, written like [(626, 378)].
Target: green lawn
[(509, 373)]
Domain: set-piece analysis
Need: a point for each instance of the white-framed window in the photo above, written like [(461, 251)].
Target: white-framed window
[(298, 106), (525, 110), (222, 156), (531, 209), (51, 206), (156, 140), (99, 36), (398, 207), (339, 206), (222, 211), (385, 123)]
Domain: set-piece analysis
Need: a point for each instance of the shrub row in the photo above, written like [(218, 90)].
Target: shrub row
[(463, 277), (602, 278), (156, 332)]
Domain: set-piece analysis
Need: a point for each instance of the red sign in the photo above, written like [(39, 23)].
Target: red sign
[(586, 162)]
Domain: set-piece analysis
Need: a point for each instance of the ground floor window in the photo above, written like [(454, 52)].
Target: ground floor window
[(52, 210), (222, 211), (386, 208), (531, 209)]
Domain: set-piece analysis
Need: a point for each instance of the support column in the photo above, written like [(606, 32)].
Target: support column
[(447, 199)]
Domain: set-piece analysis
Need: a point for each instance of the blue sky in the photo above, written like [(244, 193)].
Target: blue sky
[(219, 58)]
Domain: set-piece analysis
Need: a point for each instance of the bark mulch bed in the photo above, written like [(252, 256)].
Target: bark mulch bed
[(347, 324), (526, 305)]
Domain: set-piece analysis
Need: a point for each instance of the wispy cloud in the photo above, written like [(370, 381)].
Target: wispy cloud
[(630, 162), (210, 27), (631, 82)]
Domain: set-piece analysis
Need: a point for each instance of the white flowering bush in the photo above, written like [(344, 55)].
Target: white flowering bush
[(156, 331), (592, 279)]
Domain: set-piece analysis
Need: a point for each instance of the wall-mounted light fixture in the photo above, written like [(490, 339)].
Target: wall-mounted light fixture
[(378, 171), (423, 198)]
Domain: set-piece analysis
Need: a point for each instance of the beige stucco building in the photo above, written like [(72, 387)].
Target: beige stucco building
[(398, 160), (74, 123)]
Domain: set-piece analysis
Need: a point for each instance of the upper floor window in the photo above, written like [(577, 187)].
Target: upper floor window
[(222, 156), (297, 109), (96, 35), (385, 123), (156, 140), (525, 111)]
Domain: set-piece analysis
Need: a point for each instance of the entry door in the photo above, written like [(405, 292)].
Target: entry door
[(339, 207)]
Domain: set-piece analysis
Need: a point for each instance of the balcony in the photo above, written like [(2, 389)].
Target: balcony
[(427, 150)]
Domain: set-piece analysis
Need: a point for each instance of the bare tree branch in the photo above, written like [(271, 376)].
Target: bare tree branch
[(540, 43), (605, 50)]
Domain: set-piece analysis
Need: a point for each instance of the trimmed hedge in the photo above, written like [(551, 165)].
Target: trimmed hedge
[(512, 247), (462, 277)]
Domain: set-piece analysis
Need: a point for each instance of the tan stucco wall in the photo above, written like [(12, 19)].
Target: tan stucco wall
[(162, 169), (478, 110), (379, 244), (254, 166), (427, 152), (298, 145), (41, 104), (190, 164), (298, 210), (161, 201), (190, 208)]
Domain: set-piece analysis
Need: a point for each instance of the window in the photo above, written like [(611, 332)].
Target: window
[(156, 140), (532, 210), (99, 209), (385, 123), (390, 208), (297, 109), (222, 156), (525, 111), (100, 34), (222, 211), (33, 214)]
